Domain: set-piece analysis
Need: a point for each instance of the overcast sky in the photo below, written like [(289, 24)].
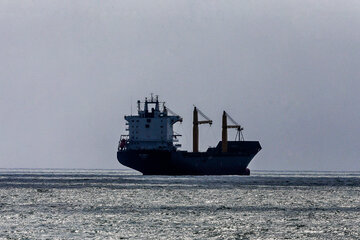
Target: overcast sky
[(288, 71)]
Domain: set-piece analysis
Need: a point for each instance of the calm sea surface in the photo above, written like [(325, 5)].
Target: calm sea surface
[(108, 204)]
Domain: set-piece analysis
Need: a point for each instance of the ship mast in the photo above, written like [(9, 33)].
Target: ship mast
[(196, 124)]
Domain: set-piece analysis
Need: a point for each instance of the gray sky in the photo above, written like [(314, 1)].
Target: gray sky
[(288, 71)]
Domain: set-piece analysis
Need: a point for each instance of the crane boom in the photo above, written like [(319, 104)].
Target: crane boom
[(232, 120), (225, 126), (203, 115), (196, 124)]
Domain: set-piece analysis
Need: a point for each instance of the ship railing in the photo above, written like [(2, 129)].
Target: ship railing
[(123, 142), (124, 136), (175, 135)]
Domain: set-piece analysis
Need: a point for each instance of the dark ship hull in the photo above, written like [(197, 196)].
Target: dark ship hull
[(211, 162)]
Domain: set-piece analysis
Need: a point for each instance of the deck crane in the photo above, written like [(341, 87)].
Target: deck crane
[(196, 124), (225, 126)]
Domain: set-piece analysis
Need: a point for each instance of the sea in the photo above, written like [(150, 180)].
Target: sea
[(122, 204)]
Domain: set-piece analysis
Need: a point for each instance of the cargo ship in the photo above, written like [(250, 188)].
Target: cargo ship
[(151, 146)]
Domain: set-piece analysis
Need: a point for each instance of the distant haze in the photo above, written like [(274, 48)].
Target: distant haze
[(288, 71)]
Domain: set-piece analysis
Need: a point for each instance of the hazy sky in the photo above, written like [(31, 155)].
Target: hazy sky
[(288, 71)]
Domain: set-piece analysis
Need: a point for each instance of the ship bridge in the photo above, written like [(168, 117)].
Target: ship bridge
[(152, 128)]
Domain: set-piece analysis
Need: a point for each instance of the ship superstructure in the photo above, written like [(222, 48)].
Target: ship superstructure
[(152, 128), (151, 149)]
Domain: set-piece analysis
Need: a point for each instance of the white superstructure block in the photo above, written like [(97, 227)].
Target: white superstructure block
[(151, 129)]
